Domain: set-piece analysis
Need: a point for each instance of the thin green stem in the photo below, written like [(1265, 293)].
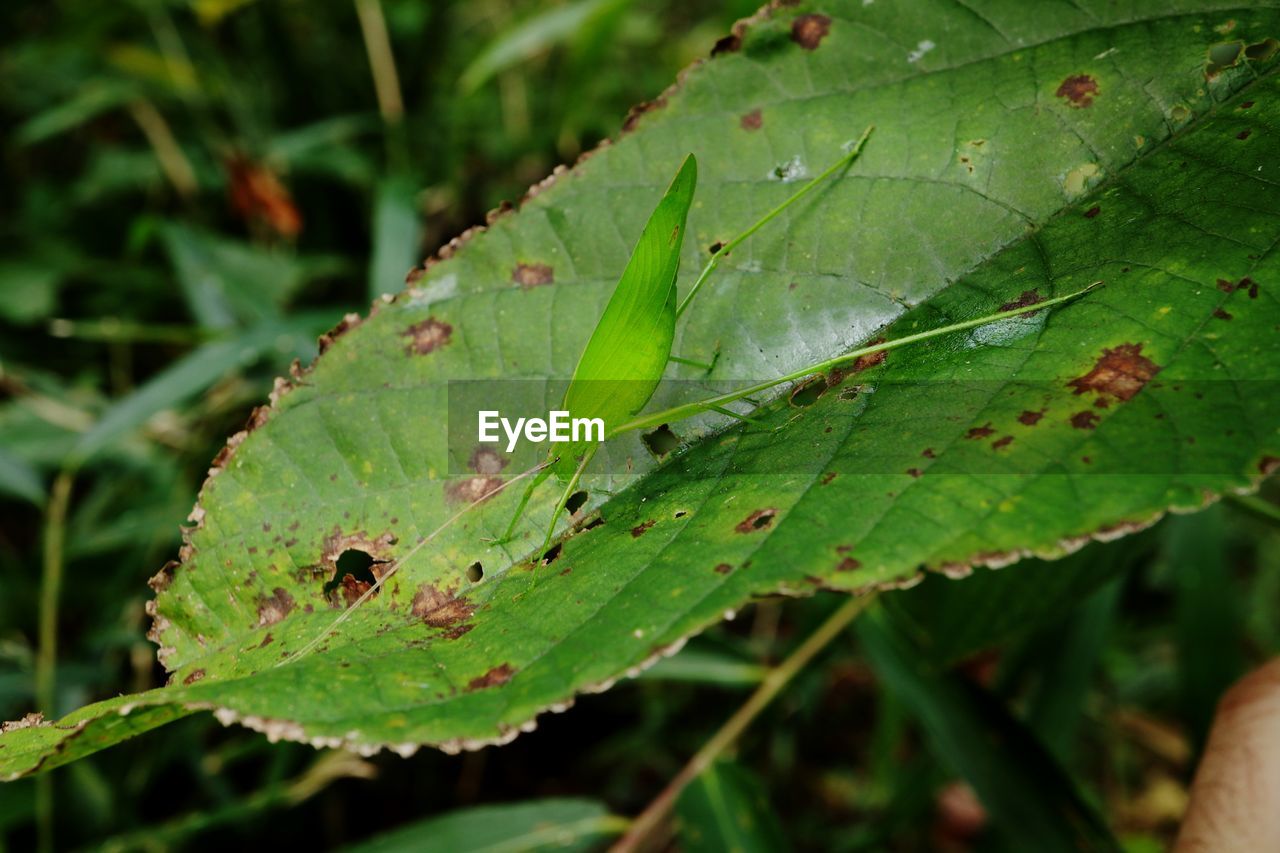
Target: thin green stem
[(688, 410), (644, 830), (46, 688), (726, 248)]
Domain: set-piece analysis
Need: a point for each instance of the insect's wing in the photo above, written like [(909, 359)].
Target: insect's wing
[(629, 349)]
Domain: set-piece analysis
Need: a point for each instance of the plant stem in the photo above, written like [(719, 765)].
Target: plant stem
[(173, 162), (377, 43), (643, 832), (386, 81), (55, 531)]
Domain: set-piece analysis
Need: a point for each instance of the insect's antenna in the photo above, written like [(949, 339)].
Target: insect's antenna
[(395, 567), (849, 156)]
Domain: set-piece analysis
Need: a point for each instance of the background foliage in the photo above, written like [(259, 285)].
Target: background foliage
[(195, 190)]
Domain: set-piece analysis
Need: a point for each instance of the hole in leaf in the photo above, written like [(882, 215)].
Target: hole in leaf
[(1226, 53), (594, 523), (1263, 50), (758, 520), (661, 441), (475, 572), (552, 553), (680, 513), (353, 575), (1223, 56), (808, 393), (575, 502)]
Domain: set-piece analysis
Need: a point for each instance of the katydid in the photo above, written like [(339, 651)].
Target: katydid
[(628, 352)]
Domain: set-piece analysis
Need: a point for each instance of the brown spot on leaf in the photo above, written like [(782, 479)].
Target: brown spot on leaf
[(808, 31), (1092, 212), (272, 608), (1084, 420), (160, 580), (196, 675), (914, 472), (1221, 314), (1225, 286), (1027, 299), (1244, 134), (639, 110), (978, 432), (1029, 418), (267, 640), (472, 489), (486, 461), (928, 453), (827, 477), (529, 276), (427, 336), (1268, 465), (1120, 372), (758, 520), (1002, 443), (731, 43), (848, 564), (1079, 90), (864, 362), (440, 608), (641, 529), (753, 120), (723, 569), (495, 677), (346, 324), (1251, 285)]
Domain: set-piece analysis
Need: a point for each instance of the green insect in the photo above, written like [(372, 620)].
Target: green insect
[(628, 352)]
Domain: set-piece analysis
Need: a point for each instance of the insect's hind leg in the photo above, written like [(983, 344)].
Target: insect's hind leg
[(524, 503), (706, 368)]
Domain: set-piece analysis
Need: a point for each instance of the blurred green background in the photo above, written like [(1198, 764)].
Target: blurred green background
[(195, 189)]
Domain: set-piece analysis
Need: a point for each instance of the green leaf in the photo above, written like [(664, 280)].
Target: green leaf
[(725, 809), (397, 234), (1021, 151), (187, 377), (533, 36), (90, 101), (27, 290), (1032, 801), (537, 825), (227, 282), (20, 479), (1209, 628), (951, 621)]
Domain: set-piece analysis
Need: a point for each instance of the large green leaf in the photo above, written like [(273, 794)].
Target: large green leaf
[(1020, 151)]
